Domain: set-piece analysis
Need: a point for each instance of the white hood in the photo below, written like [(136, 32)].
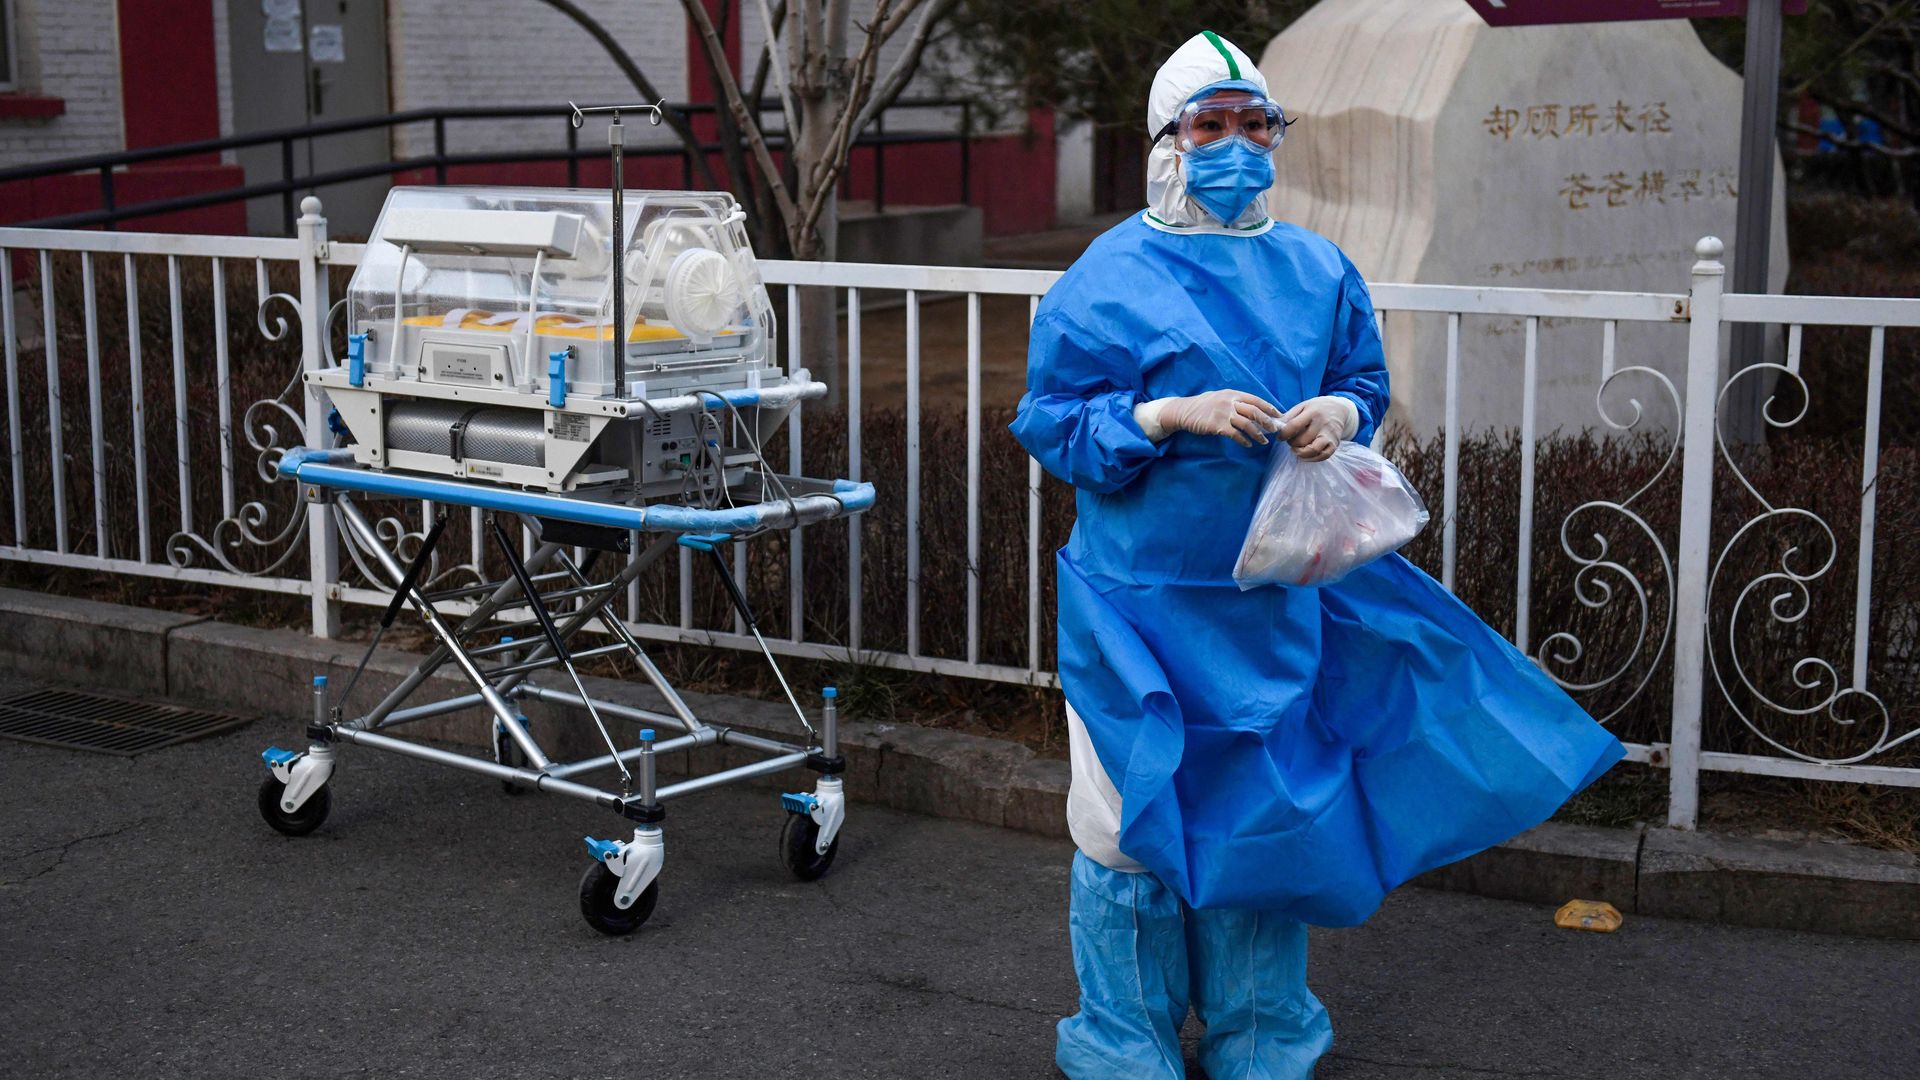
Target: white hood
[(1206, 60)]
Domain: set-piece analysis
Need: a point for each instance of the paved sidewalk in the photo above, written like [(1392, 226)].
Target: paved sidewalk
[(152, 925)]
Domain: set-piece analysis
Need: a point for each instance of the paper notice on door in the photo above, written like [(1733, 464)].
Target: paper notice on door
[(283, 33), (327, 44), (280, 9)]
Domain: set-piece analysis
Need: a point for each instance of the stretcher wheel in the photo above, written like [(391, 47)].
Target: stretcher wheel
[(797, 842), (301, 821), (597, 887)]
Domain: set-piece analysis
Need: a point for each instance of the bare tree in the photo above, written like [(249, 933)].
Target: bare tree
[(825, 69), (830, 88)]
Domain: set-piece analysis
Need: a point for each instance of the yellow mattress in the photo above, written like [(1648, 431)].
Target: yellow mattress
[(549, 326)]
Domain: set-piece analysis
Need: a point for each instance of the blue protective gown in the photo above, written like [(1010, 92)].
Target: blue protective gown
[(1299, 750)]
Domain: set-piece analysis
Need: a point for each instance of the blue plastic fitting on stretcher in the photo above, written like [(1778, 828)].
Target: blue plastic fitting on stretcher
[(703, 541), (557, 378)]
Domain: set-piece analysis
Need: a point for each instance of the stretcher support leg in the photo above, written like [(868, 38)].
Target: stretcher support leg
[(555, 642), (496, 704)]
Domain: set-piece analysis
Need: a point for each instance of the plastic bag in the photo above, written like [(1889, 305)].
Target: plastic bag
[(1317, 521)]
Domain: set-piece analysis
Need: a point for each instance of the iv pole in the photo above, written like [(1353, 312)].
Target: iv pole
[(616, 141)]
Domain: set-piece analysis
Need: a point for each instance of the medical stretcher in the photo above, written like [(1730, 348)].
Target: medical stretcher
[(554, 434)]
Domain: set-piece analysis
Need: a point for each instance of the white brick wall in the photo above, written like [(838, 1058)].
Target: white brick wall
[(67, 49), (523, 52), (925, 84)]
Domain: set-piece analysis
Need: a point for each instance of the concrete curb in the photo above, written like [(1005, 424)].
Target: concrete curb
[(1827, 887), (68, 640)]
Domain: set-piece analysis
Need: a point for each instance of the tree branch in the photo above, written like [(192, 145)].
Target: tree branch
[(770, 61), (809, 71), (826, 173), (1892, 14), (838, 18), (898, 19), (673, 120), (748, 122), (739, 175), (908, 62)]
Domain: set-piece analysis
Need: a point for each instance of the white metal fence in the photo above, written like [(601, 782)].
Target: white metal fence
[(253, 541)]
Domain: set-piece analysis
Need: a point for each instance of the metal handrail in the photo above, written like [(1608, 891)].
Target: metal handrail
[(111, 213)]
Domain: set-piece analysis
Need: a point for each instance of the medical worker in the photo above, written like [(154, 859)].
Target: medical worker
[(1246, 763)]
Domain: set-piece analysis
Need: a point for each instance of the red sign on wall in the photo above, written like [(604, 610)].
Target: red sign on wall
[(1536, 12)]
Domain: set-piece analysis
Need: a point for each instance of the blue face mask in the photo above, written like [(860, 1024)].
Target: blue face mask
[(1226, 176)]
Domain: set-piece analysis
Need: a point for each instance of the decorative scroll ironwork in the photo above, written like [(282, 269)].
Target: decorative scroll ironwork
[(252, 524), (278, 332), (402, 541), (272, 426), (1815, 677), (1602, 578)]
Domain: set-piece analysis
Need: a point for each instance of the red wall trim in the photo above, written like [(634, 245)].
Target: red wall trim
[(30, 107)]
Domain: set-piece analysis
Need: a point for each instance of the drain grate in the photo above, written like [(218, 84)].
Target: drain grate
[(105, 725)]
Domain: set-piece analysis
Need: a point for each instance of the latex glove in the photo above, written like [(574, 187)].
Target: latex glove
[(1245, 418), (1316, 427)]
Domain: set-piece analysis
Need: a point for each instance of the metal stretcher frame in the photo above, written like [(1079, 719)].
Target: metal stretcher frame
[(619, 889)]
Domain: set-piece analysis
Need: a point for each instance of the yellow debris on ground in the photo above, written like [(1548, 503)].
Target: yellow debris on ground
[(1595, 915)]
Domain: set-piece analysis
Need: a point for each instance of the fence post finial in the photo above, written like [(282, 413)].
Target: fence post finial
[(1708, 251)]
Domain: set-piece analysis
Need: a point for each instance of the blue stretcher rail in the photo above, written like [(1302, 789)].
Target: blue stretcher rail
[(336, 469)]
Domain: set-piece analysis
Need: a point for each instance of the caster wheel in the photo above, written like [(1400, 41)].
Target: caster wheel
[(597, 887), (510, 755), (301, 821), (797, 842)]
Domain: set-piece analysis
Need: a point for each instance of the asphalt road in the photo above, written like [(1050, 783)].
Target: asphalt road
[(152, 925)]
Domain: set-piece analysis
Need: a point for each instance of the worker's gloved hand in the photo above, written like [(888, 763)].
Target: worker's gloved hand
[(1245, 418), (1316, 427)]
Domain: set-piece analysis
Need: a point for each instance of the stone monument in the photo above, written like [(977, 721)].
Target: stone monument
[(1434, 148)]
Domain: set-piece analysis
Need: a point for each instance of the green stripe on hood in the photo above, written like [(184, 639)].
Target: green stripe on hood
[(1233, 66)]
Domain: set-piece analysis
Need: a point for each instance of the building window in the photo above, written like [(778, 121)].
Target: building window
[(9, 66)]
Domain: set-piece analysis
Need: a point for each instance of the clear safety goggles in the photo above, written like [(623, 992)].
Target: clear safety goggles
[(1258, 121)]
